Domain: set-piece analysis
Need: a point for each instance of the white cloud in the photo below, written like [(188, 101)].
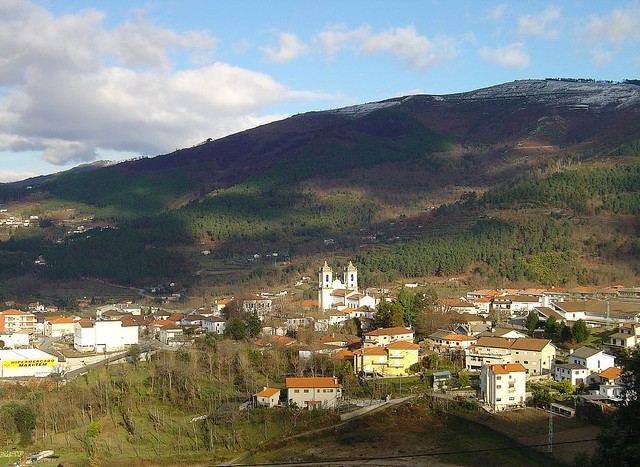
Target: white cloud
[(289, 49), (496, 13), (620, 26), (71, 88), (405, 44), (511, 56), (540, 24), (618, 29)]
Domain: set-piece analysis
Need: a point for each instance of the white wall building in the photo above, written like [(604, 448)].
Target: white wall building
[(503, 386), (594, 360), (312, 393), (15, 340), (26, 363), (574, 372), (103, 336), (214, 325)]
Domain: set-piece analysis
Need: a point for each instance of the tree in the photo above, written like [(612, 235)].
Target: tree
[(552, 326), (25, 419), (389, 314), (565, 333), (566, 387), (134, 353), (464, 380), (254, 325), (236, 329), (532, 321), (580, 331), (407, 301)]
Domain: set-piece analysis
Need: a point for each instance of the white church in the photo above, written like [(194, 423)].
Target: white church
[(340, 295)]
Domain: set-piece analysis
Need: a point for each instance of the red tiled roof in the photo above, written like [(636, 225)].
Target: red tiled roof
[(317, 382), (611, 373), (268, 392), (506, 368), (389, 331)]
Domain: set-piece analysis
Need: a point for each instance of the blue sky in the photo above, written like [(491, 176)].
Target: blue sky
[(88, 80)]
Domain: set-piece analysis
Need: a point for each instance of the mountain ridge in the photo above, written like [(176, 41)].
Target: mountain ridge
[(371, 169)]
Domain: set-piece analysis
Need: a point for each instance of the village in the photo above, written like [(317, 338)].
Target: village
[(494, 349)]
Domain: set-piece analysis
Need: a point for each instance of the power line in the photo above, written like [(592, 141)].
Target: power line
[(425, 454)]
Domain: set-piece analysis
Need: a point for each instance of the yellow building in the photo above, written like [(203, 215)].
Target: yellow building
[(401, 355), (392, 360)]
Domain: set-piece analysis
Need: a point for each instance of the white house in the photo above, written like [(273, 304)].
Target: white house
[(58, 326), (268, 397), (503, 386), (574, 372), (594, 360), (314, 392), (214, 325), (610, 384), (103, 336)]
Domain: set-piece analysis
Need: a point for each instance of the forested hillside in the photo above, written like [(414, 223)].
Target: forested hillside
[(528, 181)]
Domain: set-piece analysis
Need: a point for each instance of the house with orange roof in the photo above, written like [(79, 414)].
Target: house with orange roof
[(16, 320), (447, 341), (314, 392), (268, 397), (383, 336), (610, 384), (394, 359), (58, 326), (503, 385), (459, 305)]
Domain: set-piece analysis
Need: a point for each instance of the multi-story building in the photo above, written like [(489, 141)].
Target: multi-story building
[(536, 355), (316, 392), (16, 320), (503, 385), (394, 359), (595, 360)]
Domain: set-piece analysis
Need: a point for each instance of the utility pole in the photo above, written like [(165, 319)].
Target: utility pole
[(550, 441)]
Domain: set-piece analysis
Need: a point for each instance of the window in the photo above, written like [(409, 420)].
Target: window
[(498, 399), (306, 391), (296, 391), (499, 386), (498, 378), (526, 362), (511, 398)]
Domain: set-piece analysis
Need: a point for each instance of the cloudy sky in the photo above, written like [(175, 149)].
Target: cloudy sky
[(84, 80)]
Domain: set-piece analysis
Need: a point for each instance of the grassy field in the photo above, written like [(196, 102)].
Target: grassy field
[(413, 434)]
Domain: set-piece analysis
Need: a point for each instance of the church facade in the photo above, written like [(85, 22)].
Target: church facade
[(341, 293)]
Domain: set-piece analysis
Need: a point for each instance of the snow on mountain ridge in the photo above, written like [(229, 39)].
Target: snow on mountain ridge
[(560, 93)]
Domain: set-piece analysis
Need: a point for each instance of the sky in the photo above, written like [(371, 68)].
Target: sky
[(82, 81)]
